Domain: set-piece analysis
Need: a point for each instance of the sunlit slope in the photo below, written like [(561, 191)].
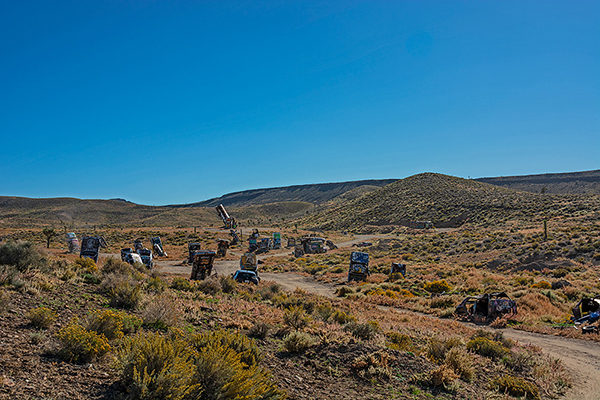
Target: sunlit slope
[(448, 202)]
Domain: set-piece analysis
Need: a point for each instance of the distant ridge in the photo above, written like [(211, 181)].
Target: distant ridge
[(445, 200), (316, 193), (586, 182)]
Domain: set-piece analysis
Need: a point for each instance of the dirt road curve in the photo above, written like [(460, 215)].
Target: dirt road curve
[(581, 357)]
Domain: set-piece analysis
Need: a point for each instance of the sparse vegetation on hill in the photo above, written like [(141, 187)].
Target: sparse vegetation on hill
[(315, 194), (449, 202), (587, 182)]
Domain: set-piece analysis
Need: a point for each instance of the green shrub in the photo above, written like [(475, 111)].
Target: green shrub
[(487, 348), (364, 331), (222, 374), (542, 285), (125, 293), (437, 286), (42, 317), (297, 342), (246, 348), (155, 367), (523, 281), (560, 272), (314, 268), (295, 317), (182, 284), (442, 302), (156, 284), (341, 317), (36, 337), (112, 324), (295, 300), (87, 265), (22, 255), (437, 349), (324, 311), (79, 344), (515, 386), (496, 336), (398, 341), (7, 274)]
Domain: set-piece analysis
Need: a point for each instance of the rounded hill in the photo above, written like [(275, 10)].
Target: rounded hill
[(448, 201)]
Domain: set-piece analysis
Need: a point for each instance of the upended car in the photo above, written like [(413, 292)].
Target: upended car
[(486, 306), (246, 276), (587, 312)]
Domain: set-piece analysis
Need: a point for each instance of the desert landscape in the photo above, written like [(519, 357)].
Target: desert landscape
[(302, 200), (72, 328)]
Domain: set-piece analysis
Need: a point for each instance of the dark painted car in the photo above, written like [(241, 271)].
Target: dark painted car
[(245, 276)]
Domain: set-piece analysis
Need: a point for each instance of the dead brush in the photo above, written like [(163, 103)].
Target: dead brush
[(161, 312), (269, 291), (4, 301), (7, 273), (536, 305), (228, 284), (210, 286), (374, 366), (442, 376), (551, 376), (444, 301), (461, 363), (260, 330), (437, 349)]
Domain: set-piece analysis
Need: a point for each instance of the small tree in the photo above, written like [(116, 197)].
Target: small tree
[(49, 233)]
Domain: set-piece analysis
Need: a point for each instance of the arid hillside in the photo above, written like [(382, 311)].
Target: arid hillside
[(315, 194), (449, 202), (587, 182), (445, 200), (76, 214)]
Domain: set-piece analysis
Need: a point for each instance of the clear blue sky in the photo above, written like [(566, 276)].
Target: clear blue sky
[(169, 102)]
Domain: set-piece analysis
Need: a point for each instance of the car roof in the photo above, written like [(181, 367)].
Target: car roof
[(245, 271)]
